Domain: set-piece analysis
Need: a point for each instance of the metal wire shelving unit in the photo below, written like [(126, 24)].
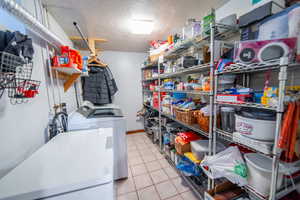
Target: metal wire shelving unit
[(268, 149), (176, 52), (214, 134)]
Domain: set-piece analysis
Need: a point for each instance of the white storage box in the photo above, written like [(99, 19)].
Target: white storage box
[(254, 128), (260, 173), (200, 148)]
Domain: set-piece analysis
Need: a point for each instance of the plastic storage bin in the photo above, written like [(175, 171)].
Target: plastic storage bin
[(257, 126), (260, 173), (200, 148)]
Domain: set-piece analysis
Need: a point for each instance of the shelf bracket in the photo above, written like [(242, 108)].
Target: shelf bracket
[(70, 81)]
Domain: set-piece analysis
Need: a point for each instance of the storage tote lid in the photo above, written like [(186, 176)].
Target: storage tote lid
[(203, 146)]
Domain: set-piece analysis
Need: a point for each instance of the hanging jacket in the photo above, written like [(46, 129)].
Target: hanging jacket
[(99, 86), (17, 44)]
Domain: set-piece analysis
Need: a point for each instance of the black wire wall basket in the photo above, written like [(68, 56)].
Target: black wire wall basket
[(21, 90), (12, 67), (15, 77)]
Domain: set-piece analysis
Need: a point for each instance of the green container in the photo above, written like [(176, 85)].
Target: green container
[(206, 21)]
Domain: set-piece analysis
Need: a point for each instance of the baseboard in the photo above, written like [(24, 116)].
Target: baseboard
[(135, 131)]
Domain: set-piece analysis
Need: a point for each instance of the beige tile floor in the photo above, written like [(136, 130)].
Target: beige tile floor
[(151, 177)]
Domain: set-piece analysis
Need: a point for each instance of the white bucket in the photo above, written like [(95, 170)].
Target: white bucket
[(260, 173), (254, 128)]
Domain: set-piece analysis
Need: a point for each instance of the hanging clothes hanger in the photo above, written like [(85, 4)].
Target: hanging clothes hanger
[(94, 61)]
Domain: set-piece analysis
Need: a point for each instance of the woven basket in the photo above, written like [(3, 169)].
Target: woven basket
[(184, 115), (202, 120)]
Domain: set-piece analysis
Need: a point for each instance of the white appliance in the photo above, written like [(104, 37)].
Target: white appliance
[(77, 166), (89, 116)]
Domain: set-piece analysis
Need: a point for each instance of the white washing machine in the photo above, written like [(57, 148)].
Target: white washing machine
[(89, 116), (77, 166)]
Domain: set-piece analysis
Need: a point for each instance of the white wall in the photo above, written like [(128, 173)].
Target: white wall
[(240, 7), (23, 126), (125, 67)]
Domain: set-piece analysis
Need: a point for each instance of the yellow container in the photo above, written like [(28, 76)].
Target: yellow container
[(265, 100), (191, 157)]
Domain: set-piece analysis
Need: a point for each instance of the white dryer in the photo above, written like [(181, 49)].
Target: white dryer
[(89, 116), (77, 166)]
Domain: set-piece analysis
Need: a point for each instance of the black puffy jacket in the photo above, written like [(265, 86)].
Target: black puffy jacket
[(99, 86)]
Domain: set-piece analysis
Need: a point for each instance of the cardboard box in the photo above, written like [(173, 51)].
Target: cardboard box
[(154, 58), (223, 187), (182, 148)]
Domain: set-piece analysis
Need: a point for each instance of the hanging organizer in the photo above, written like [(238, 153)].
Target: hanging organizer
[(15, 77)]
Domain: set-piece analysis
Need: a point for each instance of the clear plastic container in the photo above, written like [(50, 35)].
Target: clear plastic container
[(200, 148)]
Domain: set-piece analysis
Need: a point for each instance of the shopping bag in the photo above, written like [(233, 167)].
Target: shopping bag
[(229, 164)]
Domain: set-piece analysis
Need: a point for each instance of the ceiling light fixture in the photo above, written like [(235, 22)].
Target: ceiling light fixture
[(141, 26)]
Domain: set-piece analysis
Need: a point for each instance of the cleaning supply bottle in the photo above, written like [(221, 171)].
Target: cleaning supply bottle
[(85, 71)]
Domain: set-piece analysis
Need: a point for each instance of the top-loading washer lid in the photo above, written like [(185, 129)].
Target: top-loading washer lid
[(105, 112), (100, 112)]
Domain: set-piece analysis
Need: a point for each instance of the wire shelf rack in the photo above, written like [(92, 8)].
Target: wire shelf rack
[(150, 79), (194, 127), (187, 92), (250, 144), (198, 41), (249, 104), (254, 67), (190, 70)]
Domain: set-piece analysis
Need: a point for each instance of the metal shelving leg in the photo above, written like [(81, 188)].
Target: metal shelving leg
[(211, 137), (159, 107), (280, 109)]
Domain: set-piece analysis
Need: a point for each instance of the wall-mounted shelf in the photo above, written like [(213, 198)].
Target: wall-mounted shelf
[(67, 70)]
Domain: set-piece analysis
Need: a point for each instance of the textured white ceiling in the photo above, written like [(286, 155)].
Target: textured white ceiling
[(110, 18)]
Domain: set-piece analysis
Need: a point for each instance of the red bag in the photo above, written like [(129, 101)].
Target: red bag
[(189, 136)]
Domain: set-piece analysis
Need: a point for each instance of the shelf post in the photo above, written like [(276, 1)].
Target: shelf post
[(160, 60), (211, 134), (282, 77)]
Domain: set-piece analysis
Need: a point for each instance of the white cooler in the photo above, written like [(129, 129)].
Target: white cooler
[(77, 166)]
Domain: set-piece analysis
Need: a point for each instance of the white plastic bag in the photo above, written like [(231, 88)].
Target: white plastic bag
[(229, 164)]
